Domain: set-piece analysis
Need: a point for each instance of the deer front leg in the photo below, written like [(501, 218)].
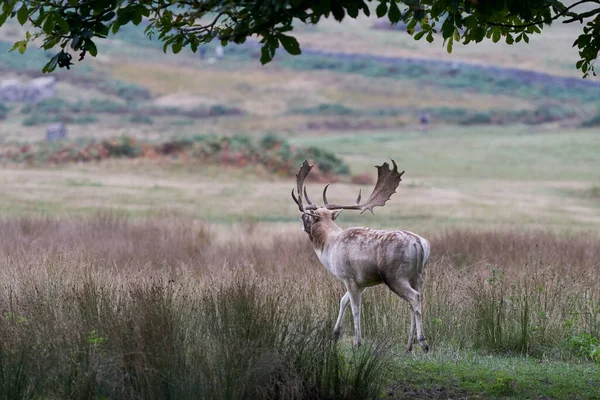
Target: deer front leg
[(355, 295), (338, 324)]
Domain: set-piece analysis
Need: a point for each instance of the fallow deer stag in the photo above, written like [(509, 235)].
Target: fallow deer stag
[(363, 257)]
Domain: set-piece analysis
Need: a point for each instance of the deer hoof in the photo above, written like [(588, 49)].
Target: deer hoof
[(336, 335)]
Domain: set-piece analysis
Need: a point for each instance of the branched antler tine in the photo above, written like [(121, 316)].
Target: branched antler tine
[(306, 197), (300, 176), (387, 182), (358, 198), (296, 200), (325, 195)]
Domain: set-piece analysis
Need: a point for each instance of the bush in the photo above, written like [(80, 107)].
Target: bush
[(586, 345), (123, 146), (549, 113), (327, 162), (38, 119), (82, 120), (41, 119), (127, 91), (326, 109), (108, 106), (479, 118), (592, 122), (273, 153), (141, 119), (220, 110)]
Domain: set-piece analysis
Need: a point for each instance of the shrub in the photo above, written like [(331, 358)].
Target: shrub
[(108, 106), (141, 119), (123, 146), (366, 178), (479, 118), (592, 122), (127, 91), (549, 113), (38, 119), (327, 162), (326, 109), (82, 119), (586, 345)]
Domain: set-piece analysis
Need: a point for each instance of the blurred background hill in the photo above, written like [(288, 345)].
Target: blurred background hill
[(491, 134)]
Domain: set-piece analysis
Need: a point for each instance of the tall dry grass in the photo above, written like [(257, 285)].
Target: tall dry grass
[(157, 309)]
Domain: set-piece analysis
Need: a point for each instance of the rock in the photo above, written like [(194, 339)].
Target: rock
[(36, 90), (56, 131)]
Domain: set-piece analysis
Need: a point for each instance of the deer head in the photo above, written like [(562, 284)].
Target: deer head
[(387, 182)]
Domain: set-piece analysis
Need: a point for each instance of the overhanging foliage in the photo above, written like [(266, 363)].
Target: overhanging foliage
[(73, 26)]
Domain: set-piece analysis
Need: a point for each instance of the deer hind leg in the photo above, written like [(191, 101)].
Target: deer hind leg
[(403, 289), (355, 294), (411, 332), (343, 305)]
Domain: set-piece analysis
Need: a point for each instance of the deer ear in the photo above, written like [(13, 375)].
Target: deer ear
[(336, 214)]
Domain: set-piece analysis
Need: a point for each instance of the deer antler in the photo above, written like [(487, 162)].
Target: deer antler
[(387, 183), (300, 176)]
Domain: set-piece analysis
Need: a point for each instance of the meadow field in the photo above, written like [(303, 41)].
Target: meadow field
[(130, 271)]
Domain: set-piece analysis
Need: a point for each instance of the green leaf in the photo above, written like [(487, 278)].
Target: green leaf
[(394, 14), (290, 44), (267, 52), (478, 33), (449, 46), (136, 18), (51, 42), (381, 9), (63, 25), (448, 29), (338, 11), (91, 48), (177, 46), (50, 65), (496, 35), (509, 39), (49, 24), (115, 27), (429, 37), (23, 14), (21, 46), (107, 17), (420, 35), (124, 16), (3, 18)]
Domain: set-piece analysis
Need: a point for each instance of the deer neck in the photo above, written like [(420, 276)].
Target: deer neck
[(321, 232)]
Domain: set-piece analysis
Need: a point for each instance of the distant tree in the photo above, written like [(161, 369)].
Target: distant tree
[(75, 25)]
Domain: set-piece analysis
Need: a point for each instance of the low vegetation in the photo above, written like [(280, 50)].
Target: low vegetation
[(111, 308), (271, 152), (55, 110)]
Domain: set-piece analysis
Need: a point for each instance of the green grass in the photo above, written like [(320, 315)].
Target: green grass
[(474, 152), (114, 308), (462, 374), (471, 176)]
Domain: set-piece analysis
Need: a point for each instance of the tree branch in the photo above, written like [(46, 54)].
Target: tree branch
[(547, 21)]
